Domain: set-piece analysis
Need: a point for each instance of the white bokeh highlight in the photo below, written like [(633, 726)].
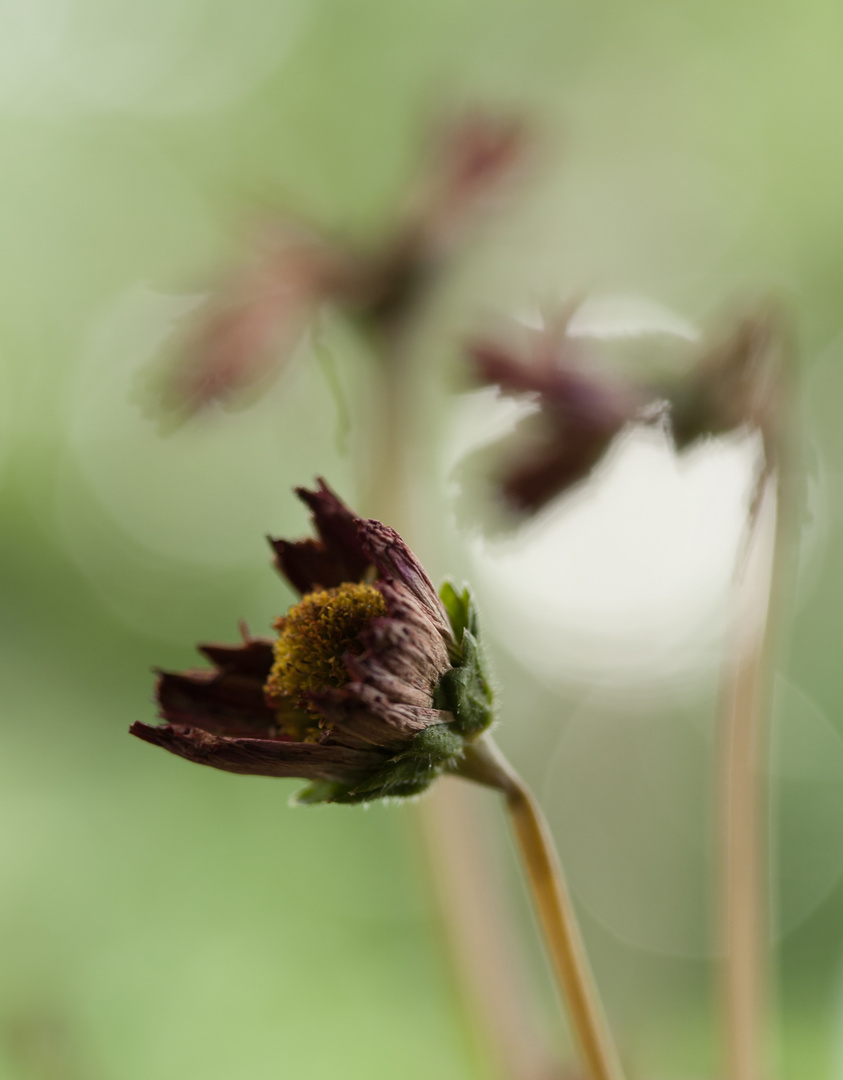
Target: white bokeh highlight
[(626, 579)]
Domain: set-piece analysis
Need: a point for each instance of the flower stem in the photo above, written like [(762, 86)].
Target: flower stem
[(743, 732), (386, 478), (485, 764)]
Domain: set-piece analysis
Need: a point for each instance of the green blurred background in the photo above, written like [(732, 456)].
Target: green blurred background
[(161, 921)]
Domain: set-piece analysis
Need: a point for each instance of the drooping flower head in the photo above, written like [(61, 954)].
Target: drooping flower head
[(249, 326), (373, 686), (579, 411), (248, 329)]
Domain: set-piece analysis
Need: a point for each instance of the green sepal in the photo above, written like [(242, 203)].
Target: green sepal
[(318, 791), (409, 773), (462, 614), (464, 689)]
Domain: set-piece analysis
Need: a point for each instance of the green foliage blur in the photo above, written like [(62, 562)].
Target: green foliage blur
[(159, 921)]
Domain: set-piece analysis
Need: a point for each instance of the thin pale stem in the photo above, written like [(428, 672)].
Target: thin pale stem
[(742, 879), (485, 764), (386, 487), (743, 738)]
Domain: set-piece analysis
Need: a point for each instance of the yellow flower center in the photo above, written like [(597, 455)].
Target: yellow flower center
[(313, 637)]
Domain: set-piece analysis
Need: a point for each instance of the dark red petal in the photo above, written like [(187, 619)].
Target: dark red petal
[(393, 559), (363, 716), (253, 657), (215, 701), (396, 648), (406, 649), (336, 557), (580, 411), (567, 391), (405, 606), (371, 671), (495, 364), (261, 757), (564, 460), (228, 700)]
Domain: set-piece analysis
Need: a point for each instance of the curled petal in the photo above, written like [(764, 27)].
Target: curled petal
[(335, 557), (228, 700), (393, 559), (261, 757), (530, 473), (372, 671), (225, 704), (363, 716), (403, 604), (251, 658), (396, 649), (411, 640), (579, 413)]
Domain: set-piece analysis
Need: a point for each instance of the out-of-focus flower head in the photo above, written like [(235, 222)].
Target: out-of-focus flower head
[(578, 412), (579, 408), (373, 686), (249, 327), (255, 318), (736, 383)]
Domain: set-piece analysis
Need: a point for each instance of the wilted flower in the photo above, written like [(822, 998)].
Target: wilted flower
[(578, 410), (578, 413), (373, 686), (254, 320), (251, 324)]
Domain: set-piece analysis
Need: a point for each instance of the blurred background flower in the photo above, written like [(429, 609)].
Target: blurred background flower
[(183, 925)]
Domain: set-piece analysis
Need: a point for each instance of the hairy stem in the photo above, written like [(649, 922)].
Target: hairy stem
[(485, 764)]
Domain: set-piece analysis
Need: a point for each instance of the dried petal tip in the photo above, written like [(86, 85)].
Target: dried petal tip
[(336, 556), (374, 686)]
